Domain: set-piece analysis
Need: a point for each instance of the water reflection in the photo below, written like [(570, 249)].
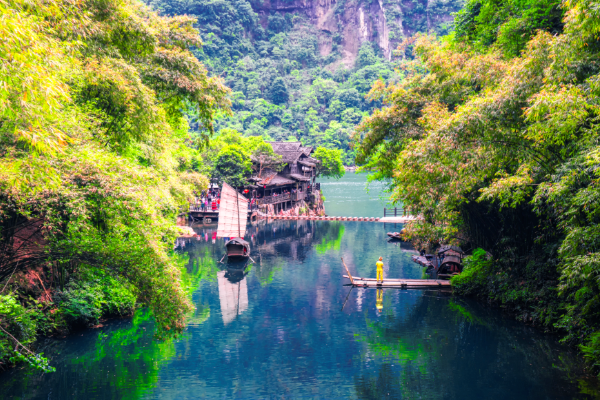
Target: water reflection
[(233, 294), (379, 305), (286, 326)]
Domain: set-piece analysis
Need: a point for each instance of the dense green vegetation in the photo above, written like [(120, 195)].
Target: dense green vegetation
[(283, 89), (95, 163), (493, 138)]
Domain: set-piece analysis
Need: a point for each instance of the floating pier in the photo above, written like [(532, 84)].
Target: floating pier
[(395, 283), (398, 220), (406, 283)]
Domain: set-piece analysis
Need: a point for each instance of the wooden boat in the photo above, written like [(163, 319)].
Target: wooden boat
[(396, 235), (237, 247), (426, 260), (450, 261), (233, 215), (446, 263)]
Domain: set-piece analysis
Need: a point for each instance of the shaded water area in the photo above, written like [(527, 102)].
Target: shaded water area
[(287, 327)]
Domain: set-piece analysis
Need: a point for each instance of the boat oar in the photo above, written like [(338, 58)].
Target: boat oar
[(348, 295), (348, 271)]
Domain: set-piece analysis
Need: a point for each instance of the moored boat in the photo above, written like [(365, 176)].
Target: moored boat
[(396, 235), (237, 247), (446, 262), (450, 261), (232, 222)]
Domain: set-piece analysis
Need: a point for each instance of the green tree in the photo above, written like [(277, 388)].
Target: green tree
[(366, 56), (279, 92), (330, 162), (264, 156), (233, 166)]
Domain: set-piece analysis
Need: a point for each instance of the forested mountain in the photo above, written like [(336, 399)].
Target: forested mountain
[(301, 69)]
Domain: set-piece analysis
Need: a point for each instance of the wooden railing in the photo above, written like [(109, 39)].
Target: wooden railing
[(395, 212), (198, 208), (259, 202), (274, 199)]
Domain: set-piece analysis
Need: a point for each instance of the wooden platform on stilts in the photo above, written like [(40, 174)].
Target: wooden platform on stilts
[(395, 283)]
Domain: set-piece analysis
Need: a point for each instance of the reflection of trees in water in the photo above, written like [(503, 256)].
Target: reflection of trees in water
[(124, 358), (383, 385), (436, 348), (331, 239)]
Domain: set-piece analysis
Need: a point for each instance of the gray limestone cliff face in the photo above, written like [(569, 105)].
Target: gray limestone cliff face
[(350, 23)]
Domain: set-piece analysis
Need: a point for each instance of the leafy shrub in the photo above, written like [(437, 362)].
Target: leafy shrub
[(22, 324), (591, 349), (81, 304), (474, 273), (94, 295)]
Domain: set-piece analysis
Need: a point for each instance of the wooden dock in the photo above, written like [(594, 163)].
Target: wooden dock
[(425, 261), (196, 214), (398, 283), (395, 283)]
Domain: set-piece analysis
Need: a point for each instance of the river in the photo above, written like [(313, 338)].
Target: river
[(289, 328)]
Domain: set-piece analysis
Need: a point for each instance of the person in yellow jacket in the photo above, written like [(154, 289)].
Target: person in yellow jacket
[(379, 270)]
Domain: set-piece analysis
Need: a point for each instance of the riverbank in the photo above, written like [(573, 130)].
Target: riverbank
[(37, 306)]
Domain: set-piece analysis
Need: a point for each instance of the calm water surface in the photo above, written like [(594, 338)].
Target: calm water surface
[(349, 197), (287, 327)]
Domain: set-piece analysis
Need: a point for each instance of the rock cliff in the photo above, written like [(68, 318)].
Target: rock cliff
[(349, 23)]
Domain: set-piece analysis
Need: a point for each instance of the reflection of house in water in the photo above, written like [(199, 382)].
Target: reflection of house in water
[(181, 242), (273, 245), (233, 297), (291, 239)]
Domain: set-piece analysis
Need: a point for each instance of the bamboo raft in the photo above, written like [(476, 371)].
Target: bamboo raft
[(394, 283)]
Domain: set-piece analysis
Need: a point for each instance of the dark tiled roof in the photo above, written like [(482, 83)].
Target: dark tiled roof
[(271, 178), (279, 147), (265, 177), (290, 151), (299, 177), (306, 150), (280, 180), (290, 156), (444, 249), (308, 164)]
